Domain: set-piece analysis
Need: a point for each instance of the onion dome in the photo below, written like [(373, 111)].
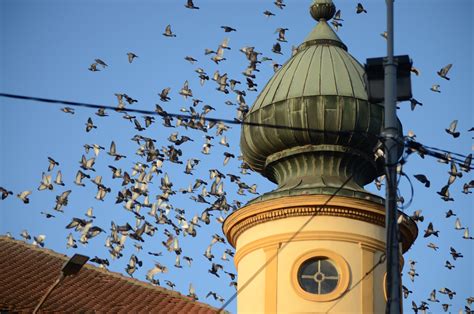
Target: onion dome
[(326, 130)]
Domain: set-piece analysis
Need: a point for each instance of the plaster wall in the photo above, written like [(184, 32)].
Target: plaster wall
[(359, 243)]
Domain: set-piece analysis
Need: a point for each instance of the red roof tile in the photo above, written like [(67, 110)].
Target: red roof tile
[(26, 273)]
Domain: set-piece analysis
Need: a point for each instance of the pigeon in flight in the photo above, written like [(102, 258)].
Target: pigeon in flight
[(52, 163), (444, 71), (430, 231), (452, 129), (131, 56), (228, 29), (186, 91), (190, 5), (435, 88), (423, 179), (24, 196), (281, 34), (168, 32), (414, 103), (90, 125), (277, 48), (268, 13), (68, 110), (4, 192), (279, 4), (360, 8)]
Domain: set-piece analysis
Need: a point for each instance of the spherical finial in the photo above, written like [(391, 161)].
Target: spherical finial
[(322, 10)]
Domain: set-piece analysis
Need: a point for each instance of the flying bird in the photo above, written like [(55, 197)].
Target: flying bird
[(279, 4), (360, 8), (52, 163), (131, 56), (39, 240), (466, 234), (59, 179), (337, 16), (277, 48), (190, 59), (25, 235), (168, 32), (414, 103), (113, 152), (228, 29), (444, 193), (454, 253), (281, 34), (444, 71), (164, 94), (90, 125), (435, 88), (268, 13), (45, 182), (186, 91), (68, 110), (4, 192), (24, 196), (86, 164), (79, 176), (190, 5), (423, 179), (452, 129), (62, 200), (432, 297), (430, 231)]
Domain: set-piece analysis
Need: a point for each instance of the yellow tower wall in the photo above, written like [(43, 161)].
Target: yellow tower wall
[(273, 238)]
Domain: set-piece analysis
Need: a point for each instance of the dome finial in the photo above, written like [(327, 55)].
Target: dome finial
[(322, 10)]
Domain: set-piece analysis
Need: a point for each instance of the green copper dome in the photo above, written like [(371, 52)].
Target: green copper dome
[(327, 131)]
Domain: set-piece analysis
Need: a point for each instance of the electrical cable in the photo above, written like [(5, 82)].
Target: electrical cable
[(182, 116), (422, 149), (412, 192), (381, 260)]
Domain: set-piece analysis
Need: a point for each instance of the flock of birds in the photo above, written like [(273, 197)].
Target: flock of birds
[(154, 213)]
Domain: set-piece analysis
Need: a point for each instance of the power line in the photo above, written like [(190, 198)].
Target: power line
[(282, 247), (423, 149), (380, 262), (177, 115), (420, 148)]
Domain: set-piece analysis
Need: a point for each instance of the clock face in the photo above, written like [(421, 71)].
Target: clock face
[(318, 275)]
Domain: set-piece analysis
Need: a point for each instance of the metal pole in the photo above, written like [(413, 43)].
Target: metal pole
[(394, 301), (46, 295)]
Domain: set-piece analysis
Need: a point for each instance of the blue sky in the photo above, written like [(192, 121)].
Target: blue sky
[(47, 47)]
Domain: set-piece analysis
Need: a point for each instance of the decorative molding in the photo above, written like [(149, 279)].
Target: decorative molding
[(280, 240), (343, 272), (312, 205)]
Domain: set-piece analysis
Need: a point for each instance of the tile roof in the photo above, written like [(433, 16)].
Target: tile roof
[(26, 272)]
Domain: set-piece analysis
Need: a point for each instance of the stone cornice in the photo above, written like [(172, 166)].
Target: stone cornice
[(309, 205)]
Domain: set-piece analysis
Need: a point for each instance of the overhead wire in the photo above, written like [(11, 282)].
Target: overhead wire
[(381, 260), (427, 150)]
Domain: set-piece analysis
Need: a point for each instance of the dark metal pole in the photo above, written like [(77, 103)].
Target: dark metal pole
[(394, 305)]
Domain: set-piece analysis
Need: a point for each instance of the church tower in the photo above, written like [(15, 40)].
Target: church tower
[(311, 244)]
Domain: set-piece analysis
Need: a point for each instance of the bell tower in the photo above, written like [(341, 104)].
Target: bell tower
[(311, 244)]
